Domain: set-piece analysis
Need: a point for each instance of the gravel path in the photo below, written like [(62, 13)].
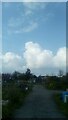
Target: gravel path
[(39, 104)]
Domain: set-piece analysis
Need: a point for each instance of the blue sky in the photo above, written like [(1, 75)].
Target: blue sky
[(43, 24)]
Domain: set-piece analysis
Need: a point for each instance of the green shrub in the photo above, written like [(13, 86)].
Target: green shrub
[(61, 105), (16, 97), (7, 111)]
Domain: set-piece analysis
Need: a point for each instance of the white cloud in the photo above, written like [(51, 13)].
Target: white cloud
[(27, 20), (0, 62), (36, 57), (16, 23), (10, 57), (11, 61), (30, 27), (60, 57), (34, 0), (23, 23), (27, 28), (28, 12), (67, 56), (34, 5), (0, 44)]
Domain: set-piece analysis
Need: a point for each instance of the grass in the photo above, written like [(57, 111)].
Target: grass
[(16, 98), (0, 101), (9, 108), (61, 105)]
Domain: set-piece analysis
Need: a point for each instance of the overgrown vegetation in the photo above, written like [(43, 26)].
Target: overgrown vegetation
[(15, 97), (16, 86), (61, 105), (14, 90), (57, 83)]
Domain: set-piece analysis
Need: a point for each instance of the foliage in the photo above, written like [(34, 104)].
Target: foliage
[(12, 91), (13, 85), (57, 83), (61, 105)]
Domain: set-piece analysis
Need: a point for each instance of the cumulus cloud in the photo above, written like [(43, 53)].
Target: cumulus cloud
[(11, 61), (60, 57), (0, 62), (36, 57)]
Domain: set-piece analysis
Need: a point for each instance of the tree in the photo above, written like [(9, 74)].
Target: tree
[(28, 74), (28, 71), (60, 73)]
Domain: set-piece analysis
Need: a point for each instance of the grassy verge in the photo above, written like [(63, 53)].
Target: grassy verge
[(0, 102), (61, 105), (8, 109), (16, 98)]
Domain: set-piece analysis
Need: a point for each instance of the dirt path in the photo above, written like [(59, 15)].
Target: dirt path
[(39, 104)]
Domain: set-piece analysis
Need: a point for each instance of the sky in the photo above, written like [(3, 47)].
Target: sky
[(34, 36)]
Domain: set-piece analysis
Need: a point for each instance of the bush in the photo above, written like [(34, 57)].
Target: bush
[(16, 97), (61, 105), (7, 111)]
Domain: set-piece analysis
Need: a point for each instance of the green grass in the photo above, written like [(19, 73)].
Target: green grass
[(16, 98), (55, 86), (8, 109), (0, 102), (61, 105)]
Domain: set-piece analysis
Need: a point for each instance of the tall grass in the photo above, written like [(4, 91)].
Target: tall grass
[(16, 98), (61, 105)]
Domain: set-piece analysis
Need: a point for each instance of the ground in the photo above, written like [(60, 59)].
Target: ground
[(39, 104), (0, 101)]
